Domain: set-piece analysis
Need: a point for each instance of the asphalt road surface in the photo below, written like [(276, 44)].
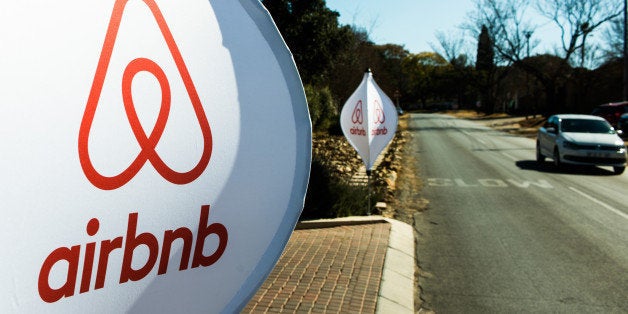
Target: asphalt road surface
[(503, 234)]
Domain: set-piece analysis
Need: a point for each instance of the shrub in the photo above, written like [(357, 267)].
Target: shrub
[(329, 196), (322, 107)]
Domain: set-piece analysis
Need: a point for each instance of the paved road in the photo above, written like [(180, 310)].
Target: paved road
[(503, 234)]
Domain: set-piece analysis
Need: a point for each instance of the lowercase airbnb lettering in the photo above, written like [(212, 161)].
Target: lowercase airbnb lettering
[(128, 244)]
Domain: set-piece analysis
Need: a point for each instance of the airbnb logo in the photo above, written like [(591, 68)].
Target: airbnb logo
[(147, 142), (380, 117), (357, 117)]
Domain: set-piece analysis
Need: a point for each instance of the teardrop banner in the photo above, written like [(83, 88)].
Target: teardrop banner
[(155, 157), (369, 120)]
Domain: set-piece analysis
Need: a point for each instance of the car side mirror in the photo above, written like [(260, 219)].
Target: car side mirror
[(551, 129)]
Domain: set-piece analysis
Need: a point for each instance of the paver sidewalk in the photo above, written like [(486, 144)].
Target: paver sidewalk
[(326, 270)]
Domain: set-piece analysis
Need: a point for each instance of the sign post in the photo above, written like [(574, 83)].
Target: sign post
[(140, 169), (369, 121)]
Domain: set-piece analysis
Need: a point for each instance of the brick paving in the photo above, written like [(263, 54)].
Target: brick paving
[(326, 270)]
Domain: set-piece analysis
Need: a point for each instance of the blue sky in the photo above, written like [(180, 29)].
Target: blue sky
[(413, 23)]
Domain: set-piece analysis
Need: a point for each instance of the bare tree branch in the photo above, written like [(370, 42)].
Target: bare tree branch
[(577, 20), (614, 40), (450, 46), (508, 25)]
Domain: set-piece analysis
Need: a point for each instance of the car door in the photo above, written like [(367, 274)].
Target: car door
[(547, 138)]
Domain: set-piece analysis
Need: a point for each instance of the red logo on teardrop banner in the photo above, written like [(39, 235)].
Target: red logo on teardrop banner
[(380, 117), (357, 117), (147, 142)]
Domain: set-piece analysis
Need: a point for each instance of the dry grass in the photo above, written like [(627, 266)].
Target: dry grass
[(408, 184)]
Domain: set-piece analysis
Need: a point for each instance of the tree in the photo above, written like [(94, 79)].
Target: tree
[(510, 30), (423, 71), (311, 31), (506, 22), (577, 20), (486, 55), (450, 46), (385, 61), (485, 67), (388, 70), (461, 78), (614, 39)]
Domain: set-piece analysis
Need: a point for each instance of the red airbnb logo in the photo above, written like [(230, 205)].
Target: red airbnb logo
[(147, 142), (380, 117), (357, 116)]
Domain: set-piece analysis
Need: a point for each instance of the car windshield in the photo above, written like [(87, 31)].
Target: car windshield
[(585, 126)]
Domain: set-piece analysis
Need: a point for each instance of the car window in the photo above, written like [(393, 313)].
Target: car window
[(552, 122), (585, 126)]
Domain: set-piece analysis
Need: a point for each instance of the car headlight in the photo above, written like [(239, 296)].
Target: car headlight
[(570, 145)]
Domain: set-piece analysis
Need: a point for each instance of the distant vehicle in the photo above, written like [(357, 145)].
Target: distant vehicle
[(611, 111), (581, 140)]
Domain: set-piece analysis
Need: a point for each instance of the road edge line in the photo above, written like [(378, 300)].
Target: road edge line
[(595, 200)]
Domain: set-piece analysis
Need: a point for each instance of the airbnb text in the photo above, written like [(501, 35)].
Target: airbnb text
[(70, 256), (379, 131), (358, 131)]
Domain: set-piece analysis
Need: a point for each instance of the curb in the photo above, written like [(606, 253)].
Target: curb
[(396, 291), (335, 222)]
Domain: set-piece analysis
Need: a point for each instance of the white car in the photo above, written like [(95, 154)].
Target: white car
[(581, 140)]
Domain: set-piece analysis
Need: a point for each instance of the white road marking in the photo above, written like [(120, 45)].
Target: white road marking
[(525, 184), (487, 183), (595, 200)]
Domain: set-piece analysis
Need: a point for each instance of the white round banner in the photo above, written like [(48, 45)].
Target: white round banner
[(155, 154)]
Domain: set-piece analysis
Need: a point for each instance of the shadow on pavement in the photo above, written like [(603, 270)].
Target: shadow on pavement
[(548, 167)]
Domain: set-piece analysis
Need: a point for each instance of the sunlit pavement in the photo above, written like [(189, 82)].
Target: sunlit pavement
[(357, 264)]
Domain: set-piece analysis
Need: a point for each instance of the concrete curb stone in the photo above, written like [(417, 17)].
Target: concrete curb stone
[(396, 292)]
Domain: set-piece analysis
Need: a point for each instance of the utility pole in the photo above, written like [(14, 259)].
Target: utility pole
[(625, 91), (528, 98)]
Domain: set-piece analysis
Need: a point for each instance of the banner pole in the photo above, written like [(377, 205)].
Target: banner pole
[(368, 184)]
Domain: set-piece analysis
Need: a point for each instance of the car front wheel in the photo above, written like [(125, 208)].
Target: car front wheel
[(557, 162), (619, 170), (539, 157)]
